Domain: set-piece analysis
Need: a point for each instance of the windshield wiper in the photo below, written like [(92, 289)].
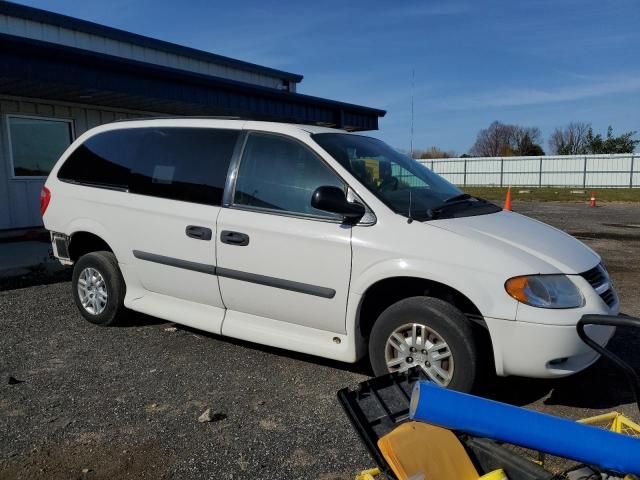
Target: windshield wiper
[(463, 198), (455, 198)]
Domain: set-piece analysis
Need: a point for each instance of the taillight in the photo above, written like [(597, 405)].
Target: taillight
[(45, 198)]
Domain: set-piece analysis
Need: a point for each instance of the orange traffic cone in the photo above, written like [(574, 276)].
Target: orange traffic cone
[(592, 200), (507, 201)]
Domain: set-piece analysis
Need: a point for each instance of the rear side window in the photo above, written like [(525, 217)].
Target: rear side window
[(103, 160), (188, 164)]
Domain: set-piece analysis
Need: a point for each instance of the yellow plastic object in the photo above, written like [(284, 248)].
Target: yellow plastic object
[(495, 475), (419, 450), (614, 421), (368, 474), (373, 167)]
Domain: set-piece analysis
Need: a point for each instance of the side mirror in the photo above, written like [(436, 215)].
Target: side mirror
[(333, 199)]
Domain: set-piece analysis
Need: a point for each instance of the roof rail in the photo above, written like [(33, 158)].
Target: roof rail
[(187, 117), (231, 117)]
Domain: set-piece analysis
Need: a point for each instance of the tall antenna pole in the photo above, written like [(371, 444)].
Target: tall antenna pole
[(413, 81)]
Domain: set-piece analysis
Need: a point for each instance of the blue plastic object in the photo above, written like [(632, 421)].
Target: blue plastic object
[(556, 436)]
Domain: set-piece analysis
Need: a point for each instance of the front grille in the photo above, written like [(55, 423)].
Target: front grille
[(598, 278), (609, 297)]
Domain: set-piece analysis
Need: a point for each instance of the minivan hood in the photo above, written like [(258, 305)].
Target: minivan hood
[(533, 238)]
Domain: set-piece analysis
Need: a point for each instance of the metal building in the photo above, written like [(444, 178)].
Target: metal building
[(60, 76)]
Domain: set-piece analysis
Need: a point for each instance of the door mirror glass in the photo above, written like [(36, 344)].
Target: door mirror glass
[(332, 199)]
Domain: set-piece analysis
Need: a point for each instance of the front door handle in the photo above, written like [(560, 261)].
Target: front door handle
[(234, 238), (199, 233)]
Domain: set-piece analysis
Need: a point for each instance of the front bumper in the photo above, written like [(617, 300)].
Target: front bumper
[(542, 350), (544, 343)]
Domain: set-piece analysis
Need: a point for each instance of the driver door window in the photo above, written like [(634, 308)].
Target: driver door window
[(280, 174)]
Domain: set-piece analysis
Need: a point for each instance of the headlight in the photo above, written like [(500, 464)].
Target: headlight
[(545, 291)]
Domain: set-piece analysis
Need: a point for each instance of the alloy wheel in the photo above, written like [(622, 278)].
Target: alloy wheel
[(92, 291), (415, 344)]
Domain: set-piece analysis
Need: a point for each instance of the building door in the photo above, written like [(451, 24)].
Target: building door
[(34, 146)]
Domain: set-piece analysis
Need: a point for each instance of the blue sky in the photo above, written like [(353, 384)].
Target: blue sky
[(537, 63)]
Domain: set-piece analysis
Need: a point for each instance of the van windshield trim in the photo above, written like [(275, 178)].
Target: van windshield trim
[(403, 184)]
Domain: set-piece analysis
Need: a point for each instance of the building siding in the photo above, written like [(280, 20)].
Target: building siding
[(19, 197), (63, 36)]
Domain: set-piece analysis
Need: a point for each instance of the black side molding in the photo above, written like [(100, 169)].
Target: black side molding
[(277, 283), (274, 282), (175, 262)]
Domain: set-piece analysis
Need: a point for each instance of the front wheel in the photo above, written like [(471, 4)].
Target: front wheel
[(429, 333)]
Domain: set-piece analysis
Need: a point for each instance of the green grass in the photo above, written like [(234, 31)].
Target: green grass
[(556, 194)]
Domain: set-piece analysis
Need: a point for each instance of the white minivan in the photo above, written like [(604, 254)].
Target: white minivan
[(320, 241)]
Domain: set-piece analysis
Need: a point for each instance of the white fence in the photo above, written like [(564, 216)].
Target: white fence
[(613, 171)]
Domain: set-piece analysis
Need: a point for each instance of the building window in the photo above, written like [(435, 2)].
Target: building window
[(37, 143)]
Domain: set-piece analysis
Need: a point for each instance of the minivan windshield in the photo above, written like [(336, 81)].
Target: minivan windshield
[(404, 185)]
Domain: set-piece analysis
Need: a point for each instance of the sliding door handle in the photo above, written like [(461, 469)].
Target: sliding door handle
[(234, 238), (199, 233)]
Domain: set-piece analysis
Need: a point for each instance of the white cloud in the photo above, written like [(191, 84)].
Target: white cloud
[(536, 96)]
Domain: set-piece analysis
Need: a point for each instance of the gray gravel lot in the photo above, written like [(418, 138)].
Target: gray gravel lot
[(123, 402)]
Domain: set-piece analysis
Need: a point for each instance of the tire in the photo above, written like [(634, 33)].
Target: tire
[(106, 310), (442, 322)]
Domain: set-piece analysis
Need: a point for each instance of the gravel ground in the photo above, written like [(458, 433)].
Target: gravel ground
[(123, 402)]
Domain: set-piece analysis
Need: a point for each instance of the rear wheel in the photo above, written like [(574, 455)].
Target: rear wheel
[(429, 333), (98, 288)]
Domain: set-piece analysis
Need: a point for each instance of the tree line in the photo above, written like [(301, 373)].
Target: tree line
[(507, 140), (578, 138)]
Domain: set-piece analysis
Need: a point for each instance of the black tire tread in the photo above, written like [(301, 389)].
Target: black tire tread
[(107, 264), (443, 317)]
